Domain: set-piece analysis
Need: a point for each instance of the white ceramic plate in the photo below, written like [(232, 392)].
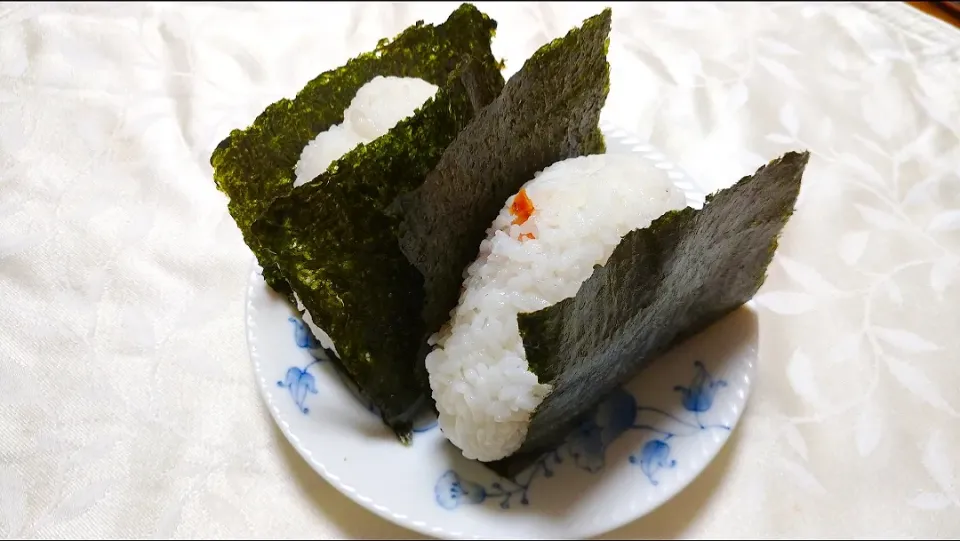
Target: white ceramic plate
[(644, 445)]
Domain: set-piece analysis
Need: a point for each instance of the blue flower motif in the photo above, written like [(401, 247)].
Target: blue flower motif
[(298, 380), (451, 491), (586, 447), (698, 398), (653, 457), (302, 335), (614, 416), (300, 383)]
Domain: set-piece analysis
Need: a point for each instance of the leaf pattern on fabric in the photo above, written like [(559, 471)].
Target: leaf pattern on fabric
[(122, 328)]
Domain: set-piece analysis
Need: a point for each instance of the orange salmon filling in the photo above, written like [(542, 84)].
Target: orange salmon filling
[(522, 207)]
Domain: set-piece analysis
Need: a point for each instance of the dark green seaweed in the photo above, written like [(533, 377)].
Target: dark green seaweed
[(662, 285), (256, 165), (548, 111), (336, 246)]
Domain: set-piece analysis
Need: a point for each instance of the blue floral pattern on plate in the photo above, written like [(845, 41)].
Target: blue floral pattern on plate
[(586, 447), (298, 380), (301, 383)]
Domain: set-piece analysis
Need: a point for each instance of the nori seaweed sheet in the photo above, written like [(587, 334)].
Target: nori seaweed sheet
[(548, 111), (337, 247), (256, 165), (661, 285)]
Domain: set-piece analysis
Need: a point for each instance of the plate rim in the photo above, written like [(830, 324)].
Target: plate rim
[(695, 195)]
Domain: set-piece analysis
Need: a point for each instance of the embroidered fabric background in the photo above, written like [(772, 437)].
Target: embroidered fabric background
[(127, 402)]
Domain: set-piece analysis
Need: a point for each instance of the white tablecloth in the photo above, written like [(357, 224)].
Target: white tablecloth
[(127, 402)]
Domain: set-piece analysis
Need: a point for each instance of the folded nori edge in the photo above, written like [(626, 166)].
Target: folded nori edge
[(548, 111), (337, 247), (662, 285), (256, 165)]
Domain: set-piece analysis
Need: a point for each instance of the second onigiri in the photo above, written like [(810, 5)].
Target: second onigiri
[(544, 244)]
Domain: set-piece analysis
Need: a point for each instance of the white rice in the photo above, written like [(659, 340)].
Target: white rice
[(479, 375), (378, 106)]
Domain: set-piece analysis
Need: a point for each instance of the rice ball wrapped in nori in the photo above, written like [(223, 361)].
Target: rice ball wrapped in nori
[(332, 240), (514, 371), (540, 249), (378, 106), (256, 165)]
